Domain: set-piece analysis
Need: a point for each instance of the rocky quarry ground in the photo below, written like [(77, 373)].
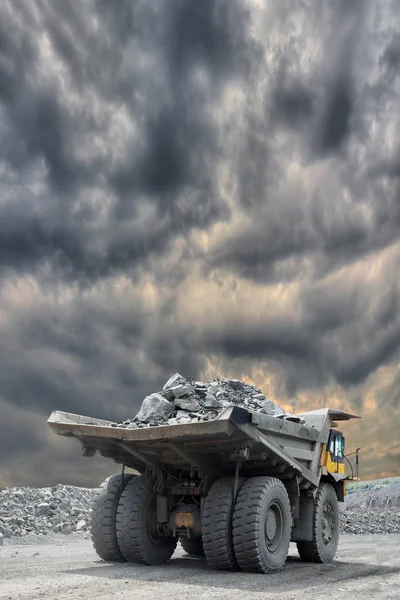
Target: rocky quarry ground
[(59, 509)]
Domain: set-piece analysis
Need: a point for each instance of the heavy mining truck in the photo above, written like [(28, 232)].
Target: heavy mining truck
[(236, 489)]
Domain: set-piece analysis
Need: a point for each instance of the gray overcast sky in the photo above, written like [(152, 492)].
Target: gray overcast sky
[(206, 187)]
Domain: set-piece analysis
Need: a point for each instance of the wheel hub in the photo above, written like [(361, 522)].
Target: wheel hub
[(328, 524), (270, 525)]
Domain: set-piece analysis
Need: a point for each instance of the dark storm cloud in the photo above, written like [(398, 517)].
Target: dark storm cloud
[(343, 41), (336, 329), (27, 440), (293, 103), (318, 101), (355, 328), (391, 56), (87, 354), (282, 342), (30, 454), (280, 339), (150, 73), (287, 225), (97, 354), (335, 125), (387, 168)]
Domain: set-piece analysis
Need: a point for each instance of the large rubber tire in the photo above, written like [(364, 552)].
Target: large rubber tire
[(262, 525), (103, 517), (194, 547), (217, 524), (136, 516), (325, 524)]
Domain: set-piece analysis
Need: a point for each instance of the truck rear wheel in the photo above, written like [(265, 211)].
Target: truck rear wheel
[(325, 540), (194, 547), (103, 516), (217, 524), (137, 534), (262, 525)]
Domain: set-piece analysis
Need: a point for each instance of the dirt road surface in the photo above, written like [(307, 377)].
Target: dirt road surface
[(366, 567)]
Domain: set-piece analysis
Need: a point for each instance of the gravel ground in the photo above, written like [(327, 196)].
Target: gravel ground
[(58, 567)]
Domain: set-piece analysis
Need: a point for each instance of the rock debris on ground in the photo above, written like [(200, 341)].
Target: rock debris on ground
[(372, 507), (59, 509)]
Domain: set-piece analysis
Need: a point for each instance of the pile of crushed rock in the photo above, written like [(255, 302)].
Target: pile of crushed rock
[(361, 521), (59, 509), (185, 400), (372, 507)]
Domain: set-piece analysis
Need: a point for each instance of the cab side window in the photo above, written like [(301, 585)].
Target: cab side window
[(336, 446)]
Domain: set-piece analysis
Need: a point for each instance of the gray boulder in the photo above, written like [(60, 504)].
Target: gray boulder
[(180, 391), (189, 404), (154, 407), (235, 384), (210, 401), (182, 414), (44, 508), (168, 394), (271, 409), (176, 379), (81, 525)]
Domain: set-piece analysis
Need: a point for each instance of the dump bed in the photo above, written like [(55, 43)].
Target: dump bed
[(262, 443)]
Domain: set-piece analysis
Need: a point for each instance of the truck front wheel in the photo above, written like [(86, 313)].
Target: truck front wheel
[(262, 525), (103, 516), (137, 534), (325, 540)]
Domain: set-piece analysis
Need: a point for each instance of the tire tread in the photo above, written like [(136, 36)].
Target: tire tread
[(103, 518), (217, 525), (134, 546), (247, 519), (312, 551)]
